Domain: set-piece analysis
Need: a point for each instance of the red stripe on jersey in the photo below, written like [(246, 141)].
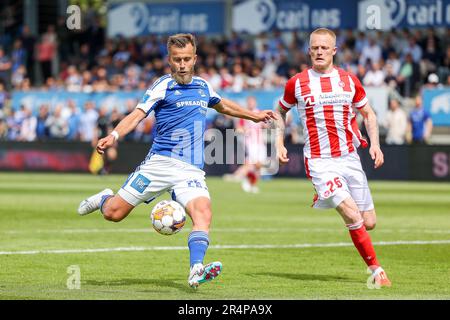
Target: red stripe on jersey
[(360, 93), (344, 78), (289, 92), (333, 136), (308, 174), (325, 84), (348, 133), (304, 83), (311, 125), (355, 128)]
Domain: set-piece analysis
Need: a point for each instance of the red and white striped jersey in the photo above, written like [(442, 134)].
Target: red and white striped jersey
[(325, 105)]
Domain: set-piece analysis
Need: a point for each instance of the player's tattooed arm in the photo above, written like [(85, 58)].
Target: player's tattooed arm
[(280, 125), (370, 122)]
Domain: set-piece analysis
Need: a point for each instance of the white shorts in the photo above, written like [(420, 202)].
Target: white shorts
[(158, 174), (336, 179), (256, 153)]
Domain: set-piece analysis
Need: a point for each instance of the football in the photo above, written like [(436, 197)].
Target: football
[(168, 217)]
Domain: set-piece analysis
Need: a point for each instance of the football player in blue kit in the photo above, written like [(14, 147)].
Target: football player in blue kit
[(174, 163)]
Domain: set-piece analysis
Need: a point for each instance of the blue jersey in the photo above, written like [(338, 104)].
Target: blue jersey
[(180, 112), (418, 118)]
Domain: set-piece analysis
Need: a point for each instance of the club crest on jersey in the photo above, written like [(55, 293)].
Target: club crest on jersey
[(341, 84), (309, 101), (201, 93)]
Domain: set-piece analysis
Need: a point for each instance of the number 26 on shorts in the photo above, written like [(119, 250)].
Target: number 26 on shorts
[(332, 184)]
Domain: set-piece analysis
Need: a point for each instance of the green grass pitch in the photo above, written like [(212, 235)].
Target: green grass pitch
[(272, 245)]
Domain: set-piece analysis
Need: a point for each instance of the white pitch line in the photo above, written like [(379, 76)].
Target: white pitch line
[(244, 246), (220, 230)]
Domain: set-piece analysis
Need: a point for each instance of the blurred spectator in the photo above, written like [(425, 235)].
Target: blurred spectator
[(14, 121), (432, 82), (408, 76), (73, 121), (73, 80), (239, 79), (42, 132), (63, 39), (5, 68), (390, 77), (18, 76), (57, 124), (46, 50), (371, 52), (29, 41), (227, 78), (394, 61), (4, 95), (214, 78), (28, 127), (88, 122), (374, 77), (420, 124), (412, 49), (18, 55), (396, 123)]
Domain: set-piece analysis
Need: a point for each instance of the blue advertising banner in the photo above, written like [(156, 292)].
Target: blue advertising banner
[(139, 19), (34, 99), (437, 103), (386, 15), (256, 16), (266, 99)]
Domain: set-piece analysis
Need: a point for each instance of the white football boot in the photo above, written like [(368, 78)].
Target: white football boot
[(200, 274), (93, 202)]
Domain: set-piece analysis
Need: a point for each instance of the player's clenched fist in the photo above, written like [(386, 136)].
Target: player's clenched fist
[(105, 143)]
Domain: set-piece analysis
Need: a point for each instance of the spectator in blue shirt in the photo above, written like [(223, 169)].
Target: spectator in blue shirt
[(420, 124)]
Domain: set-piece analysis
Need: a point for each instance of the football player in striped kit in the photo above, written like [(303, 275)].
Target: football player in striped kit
[(326, 98)]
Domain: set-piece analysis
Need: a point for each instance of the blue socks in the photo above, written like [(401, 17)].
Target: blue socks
[(103, 201), (198, 242)]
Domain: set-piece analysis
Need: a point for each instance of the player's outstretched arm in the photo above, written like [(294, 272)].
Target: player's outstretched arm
[(125, 126), (280, 125), (370, 122), (231, 108)]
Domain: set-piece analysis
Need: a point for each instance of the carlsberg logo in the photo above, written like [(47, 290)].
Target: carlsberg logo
[(191, 103)]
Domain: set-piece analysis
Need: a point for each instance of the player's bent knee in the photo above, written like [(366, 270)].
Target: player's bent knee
[(370, 225), (370, 219)]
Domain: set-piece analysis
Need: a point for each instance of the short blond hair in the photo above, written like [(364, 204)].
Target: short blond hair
[(323, 31)]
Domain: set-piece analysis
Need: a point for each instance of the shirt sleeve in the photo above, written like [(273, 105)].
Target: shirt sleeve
[(214, 97), (288, 100), (360, 98), (152, 98)]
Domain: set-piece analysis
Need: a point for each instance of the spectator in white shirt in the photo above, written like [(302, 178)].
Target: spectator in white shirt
[(88, 122), (371, 51), (396, 123), (374, 77)]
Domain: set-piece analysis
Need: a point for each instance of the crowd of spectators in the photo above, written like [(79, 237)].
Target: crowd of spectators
[(59, 59)]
